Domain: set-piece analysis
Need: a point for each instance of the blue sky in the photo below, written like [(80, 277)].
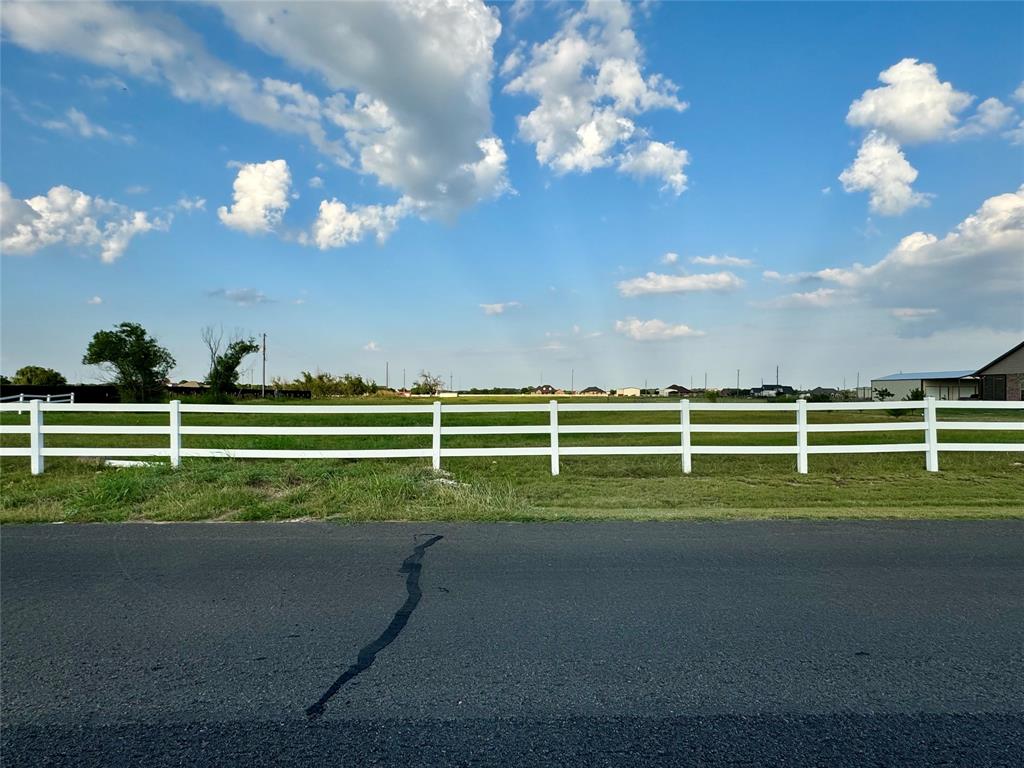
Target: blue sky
[(517, 191)]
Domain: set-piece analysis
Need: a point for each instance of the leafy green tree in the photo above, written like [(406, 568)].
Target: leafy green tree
[(223, 375), (36, 375), (133, 360), (324, 385), (883, 394), (915, 394), (4, 381)]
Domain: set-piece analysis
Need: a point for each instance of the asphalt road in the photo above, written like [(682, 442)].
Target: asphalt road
[(634, 644)]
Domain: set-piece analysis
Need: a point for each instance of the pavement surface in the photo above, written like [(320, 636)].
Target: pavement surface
[(598, 644)]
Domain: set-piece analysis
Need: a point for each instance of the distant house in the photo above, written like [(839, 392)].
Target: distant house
[(675, 390), (773, 390), (628, 392), (189, 384), (593, 391), (944, 385), (1003, 378), (823, 393), (544, 389)]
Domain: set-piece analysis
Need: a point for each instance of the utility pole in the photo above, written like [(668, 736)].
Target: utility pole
[(263, 386), (776, 375), (403, 378), (705, 381), (572, 381), (451, 381), (737, 378), (387, 372)]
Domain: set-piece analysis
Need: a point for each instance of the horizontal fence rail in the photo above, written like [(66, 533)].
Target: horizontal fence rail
[(929, 427)]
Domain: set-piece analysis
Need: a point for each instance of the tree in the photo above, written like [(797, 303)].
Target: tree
[(427, 384), (323, 385), (36, 375), (915, 394), (133, 359), (223, 375), (883, 394)]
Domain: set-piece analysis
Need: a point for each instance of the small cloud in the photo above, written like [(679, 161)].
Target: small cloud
[(299, 301), (500, 308), (95, 300), (654, 330), (315, 183), (243, 297), (777, 277), (721, 261), (826, 190), (189, 204), (656, 283), (823, 298), (77, 122), (553, 346), (371, 346), (670, 258), (912, 314), (136, 189)]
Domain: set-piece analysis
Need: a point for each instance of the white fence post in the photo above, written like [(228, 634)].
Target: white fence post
[(35, 420), (801, 436), (436, 455), (175, 409), (684, 427), (931, 436), (554, 437)]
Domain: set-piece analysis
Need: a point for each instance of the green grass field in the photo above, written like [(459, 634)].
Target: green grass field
[(515, 488)]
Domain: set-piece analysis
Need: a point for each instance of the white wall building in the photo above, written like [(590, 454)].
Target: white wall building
[(942, 385)]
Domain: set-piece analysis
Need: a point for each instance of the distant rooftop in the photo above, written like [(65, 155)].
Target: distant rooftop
[(927, 375)]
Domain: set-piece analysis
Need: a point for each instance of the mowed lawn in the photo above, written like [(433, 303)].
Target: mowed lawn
[(515, 488)]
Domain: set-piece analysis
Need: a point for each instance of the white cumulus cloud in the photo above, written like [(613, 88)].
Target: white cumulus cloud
[(654, 282), (659, 160), (992, 115), (71, 217), (338, 224), (882, 170), (913, 105), (653, 330), (589, 84), (412, 88), (260, 197), (670, 258)]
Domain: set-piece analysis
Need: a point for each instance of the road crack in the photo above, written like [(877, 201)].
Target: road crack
[(412, 566)]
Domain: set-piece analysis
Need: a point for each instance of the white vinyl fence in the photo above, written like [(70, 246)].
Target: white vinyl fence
[(929, 425)]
